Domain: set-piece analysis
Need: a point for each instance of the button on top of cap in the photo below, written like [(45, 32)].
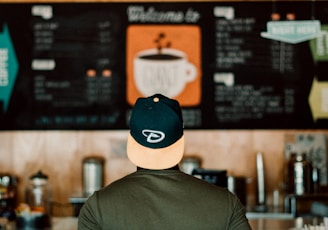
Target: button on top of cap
[(156, 99)]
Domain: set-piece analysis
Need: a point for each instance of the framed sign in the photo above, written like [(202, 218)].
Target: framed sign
[(231, 65)]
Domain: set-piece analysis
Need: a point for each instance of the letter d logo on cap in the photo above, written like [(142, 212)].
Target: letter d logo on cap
[(153, 136)]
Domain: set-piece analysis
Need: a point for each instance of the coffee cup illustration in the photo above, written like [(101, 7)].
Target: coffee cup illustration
[(166, 72)]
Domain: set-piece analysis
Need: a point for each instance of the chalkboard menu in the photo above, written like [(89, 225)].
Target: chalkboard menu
[(231, 65)]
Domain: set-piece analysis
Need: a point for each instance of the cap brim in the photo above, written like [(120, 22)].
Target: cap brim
[(150, 158)]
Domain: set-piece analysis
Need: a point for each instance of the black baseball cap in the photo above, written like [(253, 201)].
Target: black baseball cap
[(156, 139)]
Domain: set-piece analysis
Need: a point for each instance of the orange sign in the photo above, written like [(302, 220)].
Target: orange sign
[(164, 59)]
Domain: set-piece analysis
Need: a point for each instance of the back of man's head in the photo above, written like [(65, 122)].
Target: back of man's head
[(156, 139)]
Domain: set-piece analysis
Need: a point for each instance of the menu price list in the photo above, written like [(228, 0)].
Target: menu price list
[(260, 83), (77, 93), (83, 92), (244, 102), (231, 49)]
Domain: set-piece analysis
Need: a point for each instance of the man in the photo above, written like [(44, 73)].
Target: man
[(159, 196)]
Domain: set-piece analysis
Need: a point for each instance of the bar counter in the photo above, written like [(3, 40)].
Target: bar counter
[(273, 223), (64, 223), (283, 224), (57, 223)]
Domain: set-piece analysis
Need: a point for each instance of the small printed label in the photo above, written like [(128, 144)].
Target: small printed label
[(48, 64), (43, 11), (225, 12)]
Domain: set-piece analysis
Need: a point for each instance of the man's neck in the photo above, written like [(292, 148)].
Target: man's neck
[(176, 167)]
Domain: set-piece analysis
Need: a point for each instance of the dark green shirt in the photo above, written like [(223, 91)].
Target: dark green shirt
[(162, 199)]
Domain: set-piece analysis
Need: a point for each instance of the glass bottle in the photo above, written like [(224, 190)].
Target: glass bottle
[(302, 175), (38, 198)]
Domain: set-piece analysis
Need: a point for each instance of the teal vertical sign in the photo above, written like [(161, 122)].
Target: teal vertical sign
[(8, 67)]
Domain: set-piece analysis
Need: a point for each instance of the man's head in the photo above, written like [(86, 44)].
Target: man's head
[(156, 139)]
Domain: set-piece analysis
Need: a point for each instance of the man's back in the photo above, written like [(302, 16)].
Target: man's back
[(162, 199)]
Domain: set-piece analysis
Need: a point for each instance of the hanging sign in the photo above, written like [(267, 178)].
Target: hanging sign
[(318, 99), (319, 46), (292, 31), (8, 67)]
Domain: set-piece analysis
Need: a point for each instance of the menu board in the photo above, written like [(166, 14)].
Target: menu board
[(231, 65)]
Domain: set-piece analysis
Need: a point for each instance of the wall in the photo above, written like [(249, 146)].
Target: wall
[(59, 154)]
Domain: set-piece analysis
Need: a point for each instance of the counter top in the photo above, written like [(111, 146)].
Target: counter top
[(267, 223), (283, 224), (273, 223), (58, 223), (270, 215), (67, 223)]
